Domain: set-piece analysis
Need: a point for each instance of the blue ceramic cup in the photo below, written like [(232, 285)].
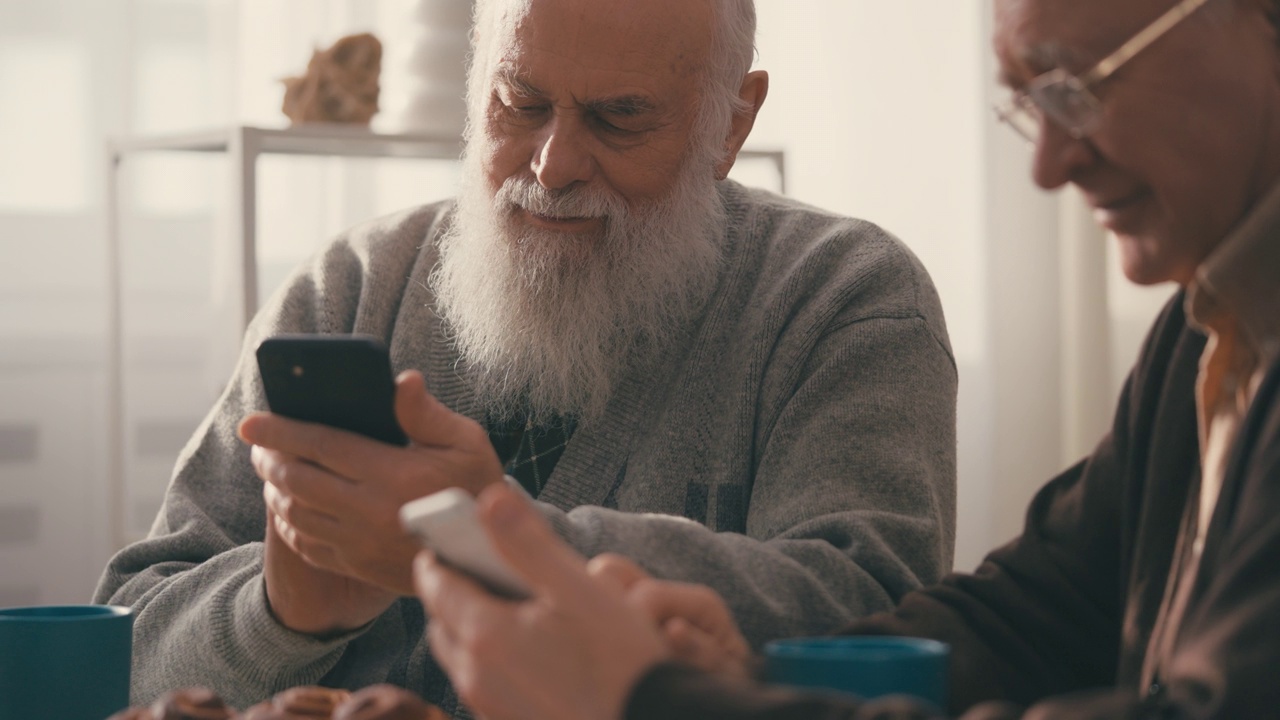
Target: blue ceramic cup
[(866, 666), (69, 662)]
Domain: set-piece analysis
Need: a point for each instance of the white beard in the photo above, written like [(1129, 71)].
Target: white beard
[(547, 322)]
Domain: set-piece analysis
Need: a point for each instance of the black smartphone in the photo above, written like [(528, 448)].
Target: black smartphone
[(343, 381)]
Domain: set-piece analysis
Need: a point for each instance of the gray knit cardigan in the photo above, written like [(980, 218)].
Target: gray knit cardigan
[(795, 451)]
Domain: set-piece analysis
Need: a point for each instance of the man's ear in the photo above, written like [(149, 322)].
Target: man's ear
[(755, 86)]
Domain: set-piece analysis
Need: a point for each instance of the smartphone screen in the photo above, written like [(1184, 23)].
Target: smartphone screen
[(343, 381)]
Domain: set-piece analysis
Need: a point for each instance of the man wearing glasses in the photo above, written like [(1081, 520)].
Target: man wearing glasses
[(1146, 581)]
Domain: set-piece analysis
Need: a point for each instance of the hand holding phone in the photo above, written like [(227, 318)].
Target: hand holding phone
[(446, 522), (343, 381)]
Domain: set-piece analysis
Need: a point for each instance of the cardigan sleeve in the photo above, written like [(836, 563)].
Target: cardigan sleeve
[(1037, 625)]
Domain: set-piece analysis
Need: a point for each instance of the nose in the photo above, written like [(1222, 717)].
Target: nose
[(1059, 156), (563, 157)]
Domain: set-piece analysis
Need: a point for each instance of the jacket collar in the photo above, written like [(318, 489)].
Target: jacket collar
[(1240, 280)]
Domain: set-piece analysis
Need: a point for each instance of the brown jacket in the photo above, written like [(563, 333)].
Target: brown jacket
[(1068, 607)]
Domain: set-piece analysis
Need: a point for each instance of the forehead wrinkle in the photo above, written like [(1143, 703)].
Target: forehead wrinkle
[(518, 78), (677, 41)]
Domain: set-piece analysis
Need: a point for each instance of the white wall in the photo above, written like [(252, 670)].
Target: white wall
[(884, 111), (881, 109)]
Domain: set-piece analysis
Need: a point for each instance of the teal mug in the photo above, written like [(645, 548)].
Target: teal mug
[(69, 662), (866, 666)]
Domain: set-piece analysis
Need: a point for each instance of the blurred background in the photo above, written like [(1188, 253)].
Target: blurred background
[(881, 110)]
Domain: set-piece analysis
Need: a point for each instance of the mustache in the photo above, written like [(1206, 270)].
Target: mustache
[(575, 201)]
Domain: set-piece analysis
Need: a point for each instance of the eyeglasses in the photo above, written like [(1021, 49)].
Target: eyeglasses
[(1065, 99)]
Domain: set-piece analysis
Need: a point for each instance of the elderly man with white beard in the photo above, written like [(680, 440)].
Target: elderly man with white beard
[(723, 384)]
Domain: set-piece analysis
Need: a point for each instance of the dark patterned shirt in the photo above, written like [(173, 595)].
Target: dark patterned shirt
[(529, 452)]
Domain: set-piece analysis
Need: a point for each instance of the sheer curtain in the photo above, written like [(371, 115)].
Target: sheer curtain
[(72, 73), (880, 107)]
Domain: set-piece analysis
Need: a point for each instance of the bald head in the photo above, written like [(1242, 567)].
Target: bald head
[(677, 30)]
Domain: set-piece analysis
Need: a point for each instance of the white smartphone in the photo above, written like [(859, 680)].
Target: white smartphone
[(446, 522)]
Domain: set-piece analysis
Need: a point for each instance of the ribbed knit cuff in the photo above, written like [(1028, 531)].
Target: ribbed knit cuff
[(266, 653)]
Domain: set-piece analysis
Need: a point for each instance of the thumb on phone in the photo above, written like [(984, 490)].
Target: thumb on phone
[(423, 418), (454, 450), (523, 537), (430, 423)]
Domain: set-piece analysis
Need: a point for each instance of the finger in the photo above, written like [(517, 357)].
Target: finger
[(315, 554), (690, 645), (282, 530), (424, 418), (699, 605), (458, 662), (523, 538), (300, 517), (249, 421), (346, 454), (462, 615), (442, 645), (452, 599), (303, 482), (697, 648), (445, 437), (614, 568)]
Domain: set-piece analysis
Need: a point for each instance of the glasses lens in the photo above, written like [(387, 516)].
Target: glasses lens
[(1066, 101), (1021, 114)]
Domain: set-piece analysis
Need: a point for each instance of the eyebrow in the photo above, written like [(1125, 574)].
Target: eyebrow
[(517, 80), (625, 105)]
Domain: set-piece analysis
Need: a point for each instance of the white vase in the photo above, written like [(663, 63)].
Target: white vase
[(425, 88)]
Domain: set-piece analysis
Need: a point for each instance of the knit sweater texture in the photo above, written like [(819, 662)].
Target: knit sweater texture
[(794, 450)]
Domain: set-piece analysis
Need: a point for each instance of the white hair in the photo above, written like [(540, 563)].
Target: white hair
[(733, 50), (491, 21)]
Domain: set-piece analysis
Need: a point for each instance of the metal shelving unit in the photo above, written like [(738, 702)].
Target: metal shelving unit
[(243, 145)]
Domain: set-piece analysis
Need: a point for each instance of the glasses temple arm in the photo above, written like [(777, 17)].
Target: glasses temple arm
[(1139, 42)]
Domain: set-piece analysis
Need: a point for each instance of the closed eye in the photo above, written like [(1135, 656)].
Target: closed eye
[(604, 124), (629, 114), (527, 109), (521, 110)]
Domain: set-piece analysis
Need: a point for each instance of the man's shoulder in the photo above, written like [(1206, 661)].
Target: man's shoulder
[(401, 233), (769, 206), (857, 261), (370, 264)]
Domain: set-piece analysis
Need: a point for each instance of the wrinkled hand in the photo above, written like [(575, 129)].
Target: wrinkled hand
[(310, 600), (698, 628), (336, 556), (573, 651)]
